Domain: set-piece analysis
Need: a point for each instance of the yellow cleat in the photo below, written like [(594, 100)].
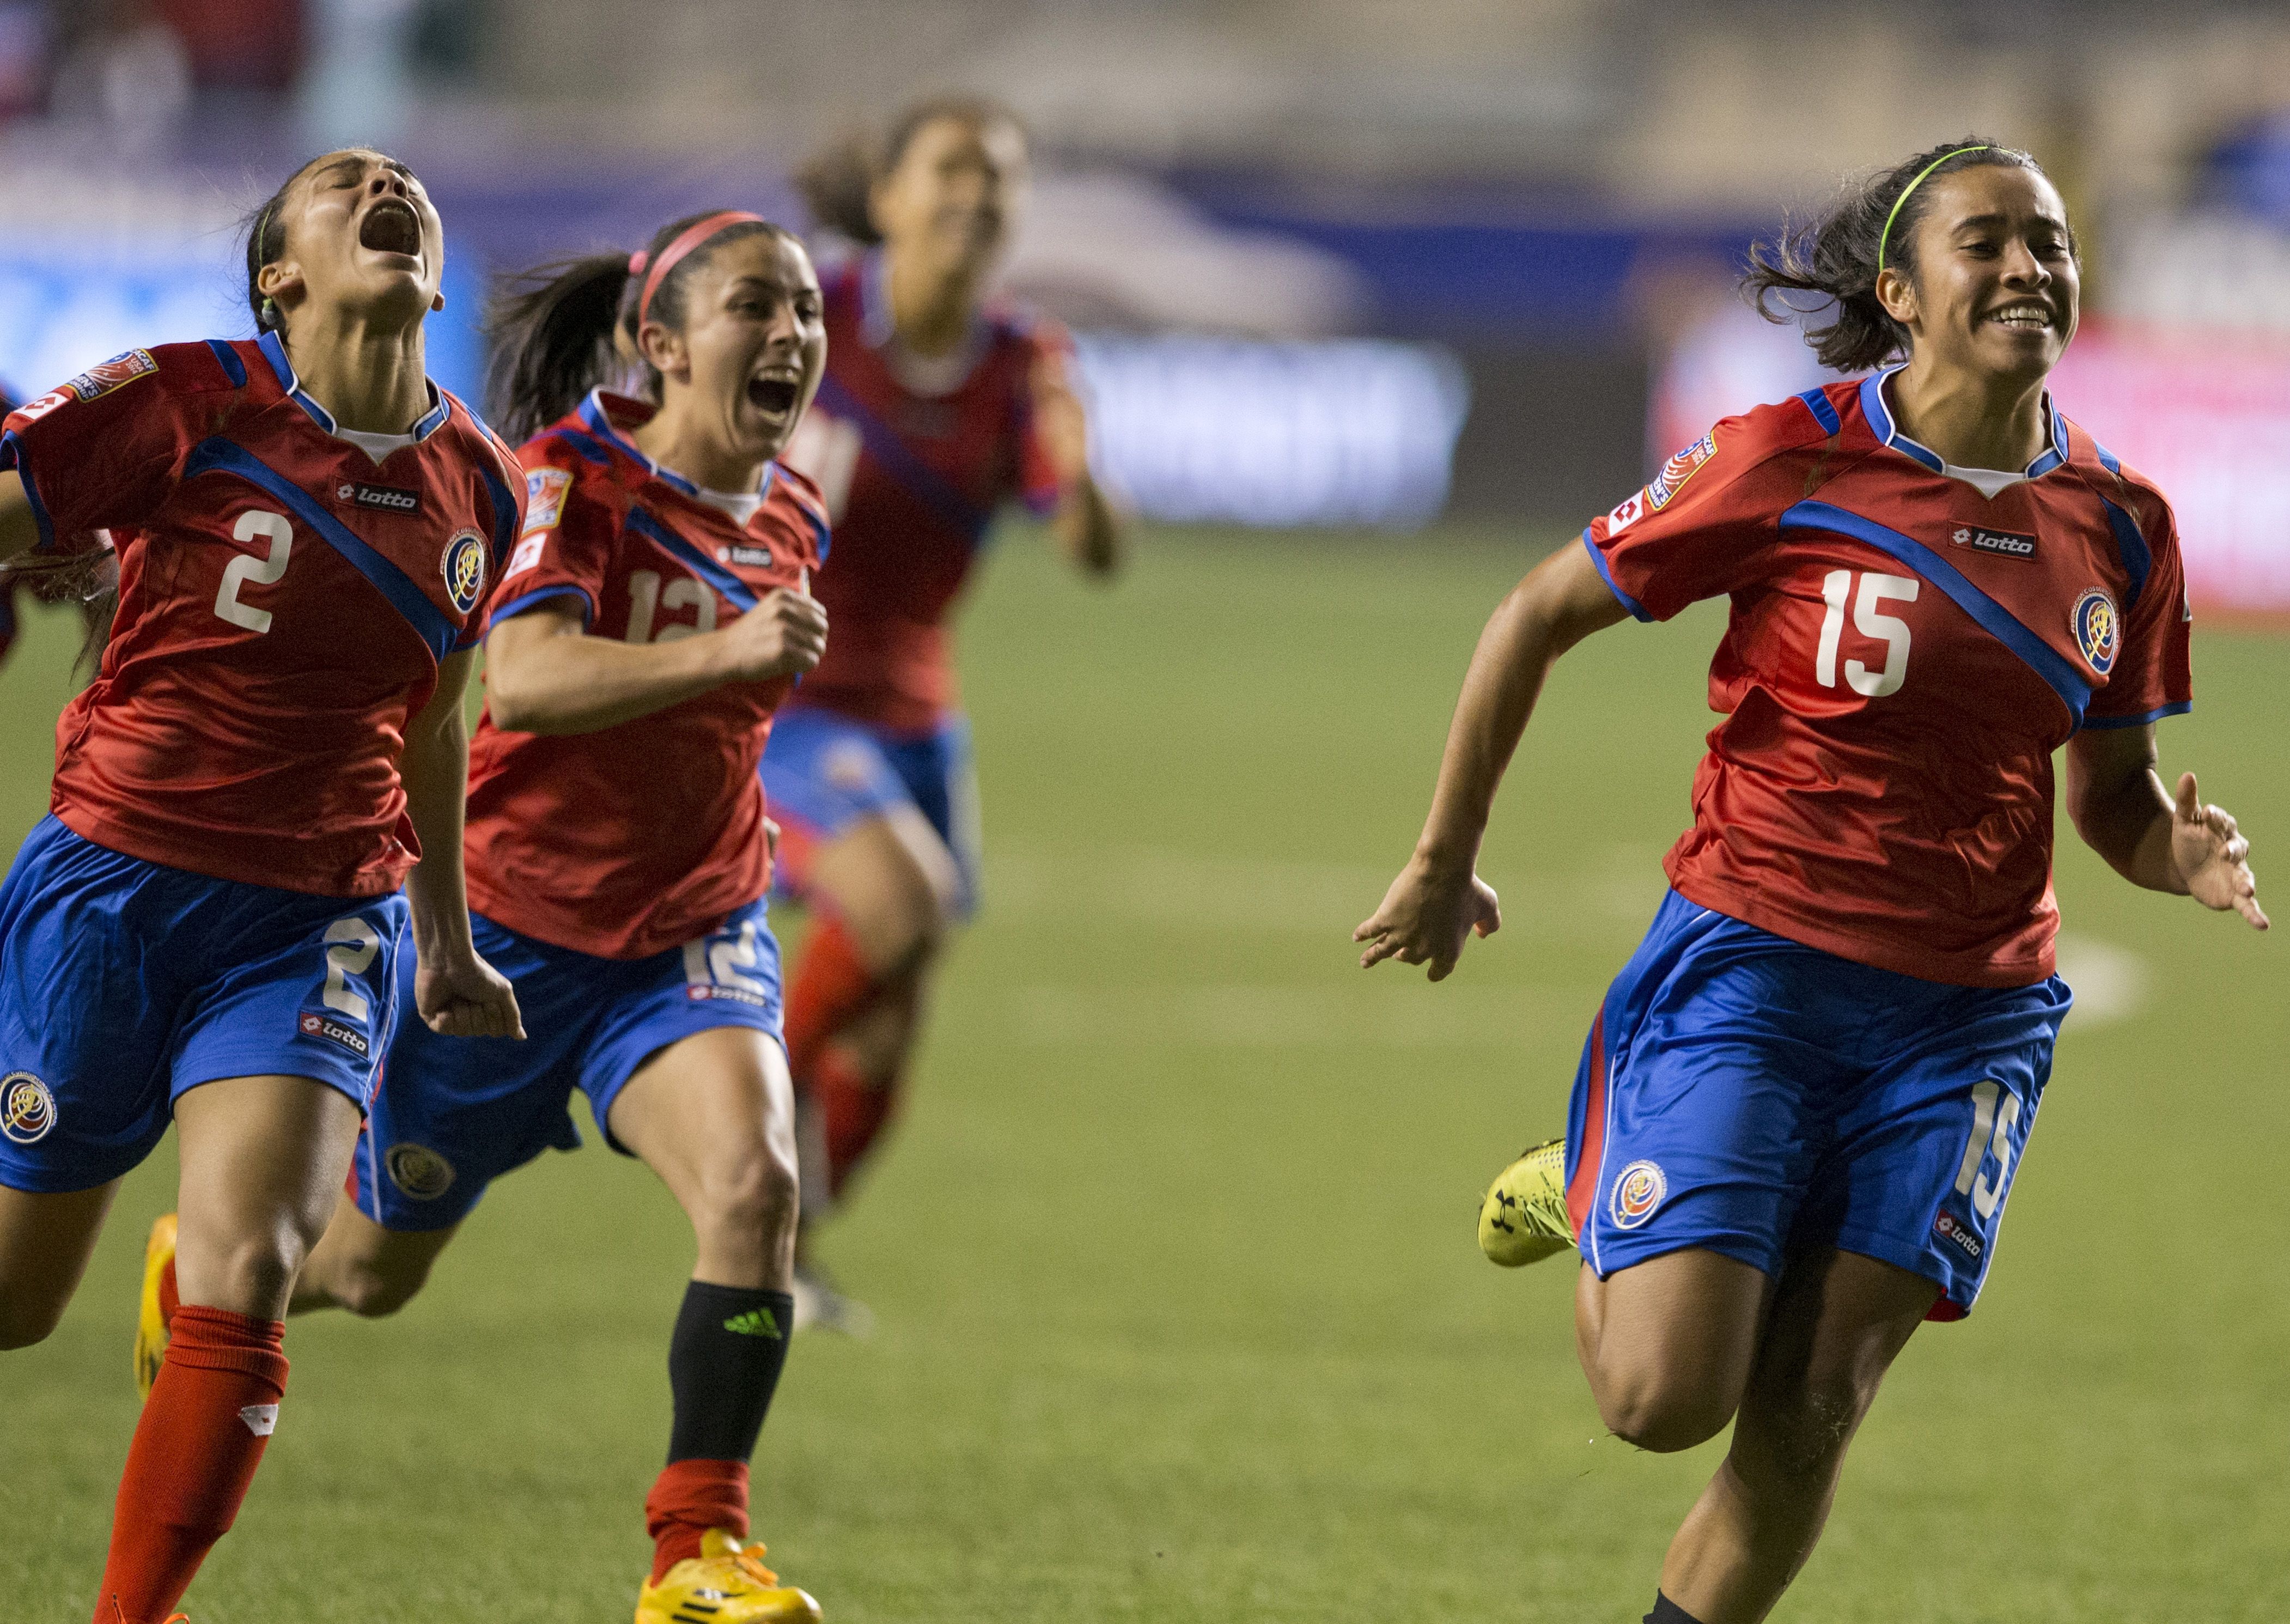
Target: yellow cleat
[(726, 1583), (1522, 1217), (158, 1304)]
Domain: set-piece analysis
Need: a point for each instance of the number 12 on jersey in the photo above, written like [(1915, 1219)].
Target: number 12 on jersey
[(1868, 619)]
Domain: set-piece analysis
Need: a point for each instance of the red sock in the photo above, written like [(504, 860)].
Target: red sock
[(202, 1435), (691, 1497), (831, 985), (855, 1106)]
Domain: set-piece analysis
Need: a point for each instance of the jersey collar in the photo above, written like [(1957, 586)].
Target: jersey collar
[(1879, 413), (274, 349), (597, 416), (929, 378)]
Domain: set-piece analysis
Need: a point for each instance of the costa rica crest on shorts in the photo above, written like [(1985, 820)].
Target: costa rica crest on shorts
[(465, 570), (2098, 628), (1639, 1190), (28, 1110)]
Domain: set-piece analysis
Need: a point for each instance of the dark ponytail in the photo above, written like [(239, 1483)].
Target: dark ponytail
[(560, 330), (837, 181), (1836, 253)]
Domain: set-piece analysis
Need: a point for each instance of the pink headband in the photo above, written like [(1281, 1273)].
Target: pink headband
[(692, 237)]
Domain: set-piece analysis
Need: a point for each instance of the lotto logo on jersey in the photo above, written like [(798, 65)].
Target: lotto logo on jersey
[(2098, 628), (383, 499), (1677, 471), (465, 570), (1949, 1228), (2004, 543), (1639, 1190), (315, 1025), (754, 558), (28, 1110), (544, 497), (1629, 512), (117, 371)]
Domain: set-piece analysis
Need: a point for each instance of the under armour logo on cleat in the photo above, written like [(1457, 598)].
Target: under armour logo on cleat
[(754, 1322), (261, 1420)]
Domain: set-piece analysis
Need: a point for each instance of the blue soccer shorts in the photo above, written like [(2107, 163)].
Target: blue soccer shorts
[(1750, 1094), (124, 983), (823, 772), (453, 1113)]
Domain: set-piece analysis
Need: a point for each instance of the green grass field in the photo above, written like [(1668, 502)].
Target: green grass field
[(1180, 1315)]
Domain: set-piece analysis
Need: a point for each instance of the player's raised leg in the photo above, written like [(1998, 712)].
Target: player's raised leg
[(46, 1241), (714, 1116), (364, 1268), (261, 1159)]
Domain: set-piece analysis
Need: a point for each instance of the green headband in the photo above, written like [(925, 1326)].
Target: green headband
[(1886, 235)]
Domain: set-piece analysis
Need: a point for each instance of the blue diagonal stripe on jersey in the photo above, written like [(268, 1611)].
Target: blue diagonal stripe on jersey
[(1998, 622), (699, 563), (2137, 560), (429, 621), (923, 483)]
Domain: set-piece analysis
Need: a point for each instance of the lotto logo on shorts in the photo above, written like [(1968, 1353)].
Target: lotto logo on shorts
[(315, 1025), (1949, 1228), (465, 570), (1639, 1190), (28, 1110), (700, 991), (2098, 628)]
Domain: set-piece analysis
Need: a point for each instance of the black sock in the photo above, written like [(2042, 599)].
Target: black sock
[(723, 1364), (1667, 1611)]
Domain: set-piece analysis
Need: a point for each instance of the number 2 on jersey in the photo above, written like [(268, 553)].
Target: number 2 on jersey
[(1891, 630), (254, 524)]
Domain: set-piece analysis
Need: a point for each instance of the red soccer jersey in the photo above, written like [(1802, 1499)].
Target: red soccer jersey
[(283, 605), (628, 841), (1903, 657), (913, 468)]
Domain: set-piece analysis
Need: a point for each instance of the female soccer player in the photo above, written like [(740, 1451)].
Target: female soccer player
[(651, 619), (208, 927), (936, 409), (1801, 1105)]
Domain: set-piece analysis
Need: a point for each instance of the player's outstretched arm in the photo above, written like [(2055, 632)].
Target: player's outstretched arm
[(2152, 837), (457, 993), (1438, 900), (1086, 523), (545, 675)]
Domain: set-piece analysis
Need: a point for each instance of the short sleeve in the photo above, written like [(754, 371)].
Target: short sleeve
[(2152, 676), (1048, 365), (564, 547), (104, 450), (1700, 528)]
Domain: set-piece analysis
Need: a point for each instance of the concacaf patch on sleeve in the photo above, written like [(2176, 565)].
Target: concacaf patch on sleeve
[(111, 374), (1678, 469), (544, 497)]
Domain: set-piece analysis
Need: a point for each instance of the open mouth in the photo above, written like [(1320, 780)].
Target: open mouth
[(776, 396), (391, 227), (2023, 318)]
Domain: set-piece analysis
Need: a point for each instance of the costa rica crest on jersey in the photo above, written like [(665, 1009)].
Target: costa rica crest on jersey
[(1639, 1190), (465, 570), (28, 1110), (2098, 628)]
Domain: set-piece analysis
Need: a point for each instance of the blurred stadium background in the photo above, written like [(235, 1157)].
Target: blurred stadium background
[(1375, 301)]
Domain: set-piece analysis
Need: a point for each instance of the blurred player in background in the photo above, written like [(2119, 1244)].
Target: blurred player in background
[(938, 407), (652, 619), (209, 924), (1801, 1106)]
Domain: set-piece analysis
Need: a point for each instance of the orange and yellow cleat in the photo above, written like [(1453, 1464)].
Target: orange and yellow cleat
[(159, 1303), (726, 1583)]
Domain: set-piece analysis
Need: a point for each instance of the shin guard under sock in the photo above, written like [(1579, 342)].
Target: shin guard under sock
[(1667, 1611), (201, 1436), (723, 1365)]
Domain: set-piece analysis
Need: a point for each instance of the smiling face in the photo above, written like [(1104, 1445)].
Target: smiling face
[(753, 344), (358, 234), (1995, 283), (954, 197)]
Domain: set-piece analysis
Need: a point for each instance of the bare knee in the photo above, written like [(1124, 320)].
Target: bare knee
[(748, 1200), (1664, 1412), (373, 1289)]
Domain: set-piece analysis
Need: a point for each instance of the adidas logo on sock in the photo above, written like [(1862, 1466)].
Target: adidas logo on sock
[(754, 1322), (261, 1420)]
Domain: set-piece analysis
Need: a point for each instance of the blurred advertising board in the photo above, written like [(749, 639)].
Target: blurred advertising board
[(2201, 412)]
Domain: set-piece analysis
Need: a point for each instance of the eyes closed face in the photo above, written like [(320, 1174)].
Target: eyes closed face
[(1997, 283), (754, 340), (360, 232)]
